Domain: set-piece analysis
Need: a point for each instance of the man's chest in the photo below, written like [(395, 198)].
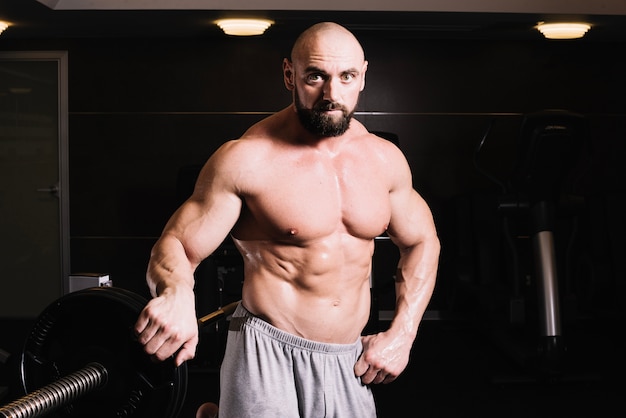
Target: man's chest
[(316, 201)]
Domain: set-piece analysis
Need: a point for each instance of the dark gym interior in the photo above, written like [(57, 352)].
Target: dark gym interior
[(508, 135)]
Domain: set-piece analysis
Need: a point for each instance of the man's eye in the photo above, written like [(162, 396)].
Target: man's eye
[(314, 77), (347, 77)]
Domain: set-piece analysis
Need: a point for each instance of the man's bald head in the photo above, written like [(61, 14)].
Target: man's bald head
[(325, 33)]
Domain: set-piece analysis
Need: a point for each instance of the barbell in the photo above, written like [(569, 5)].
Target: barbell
[(81, 359)]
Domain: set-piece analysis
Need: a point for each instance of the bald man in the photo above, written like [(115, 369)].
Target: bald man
[(303, 193)]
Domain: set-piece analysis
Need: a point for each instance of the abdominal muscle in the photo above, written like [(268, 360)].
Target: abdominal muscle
[(317, 290)]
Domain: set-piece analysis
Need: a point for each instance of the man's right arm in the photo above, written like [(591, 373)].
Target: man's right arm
[(168, 323)]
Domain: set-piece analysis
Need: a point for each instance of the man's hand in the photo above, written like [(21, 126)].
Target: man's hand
[(383, 358), (168, 325)]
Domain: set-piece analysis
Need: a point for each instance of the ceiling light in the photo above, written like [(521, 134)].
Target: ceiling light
[(563, 30), (244, 27), (3, 26)]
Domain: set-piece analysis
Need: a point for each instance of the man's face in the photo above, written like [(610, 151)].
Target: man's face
[(327, 79)]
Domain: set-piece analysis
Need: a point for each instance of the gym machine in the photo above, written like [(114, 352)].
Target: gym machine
[(551, 143)]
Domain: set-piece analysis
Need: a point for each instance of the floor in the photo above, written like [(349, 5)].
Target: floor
[(459, 368)]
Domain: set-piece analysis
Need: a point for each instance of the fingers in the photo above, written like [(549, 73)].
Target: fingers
[(372, 373), (379, 377), (360, 367), (141, 324), (161, 343), (366, 372), (161, 340), (187, 352), (375, 376)]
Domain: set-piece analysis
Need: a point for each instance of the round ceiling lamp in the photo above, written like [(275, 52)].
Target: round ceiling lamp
[(3, 26), (244, 27), (563, 30)]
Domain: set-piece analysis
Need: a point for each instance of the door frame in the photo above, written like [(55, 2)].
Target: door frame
[(61, 57)]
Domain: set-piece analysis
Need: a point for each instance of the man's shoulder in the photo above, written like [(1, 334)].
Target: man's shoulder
[(249, 146)]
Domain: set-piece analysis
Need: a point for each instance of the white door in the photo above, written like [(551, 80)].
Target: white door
[(34, 211)]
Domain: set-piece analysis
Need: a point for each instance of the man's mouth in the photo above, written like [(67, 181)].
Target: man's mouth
[(330, 107)]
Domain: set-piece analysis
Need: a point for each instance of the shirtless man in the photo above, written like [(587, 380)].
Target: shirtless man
[(303, 194)]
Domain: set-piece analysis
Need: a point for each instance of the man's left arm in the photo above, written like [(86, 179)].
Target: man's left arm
[(412, 229)]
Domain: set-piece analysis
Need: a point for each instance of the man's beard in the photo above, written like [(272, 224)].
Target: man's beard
[(318, 123)]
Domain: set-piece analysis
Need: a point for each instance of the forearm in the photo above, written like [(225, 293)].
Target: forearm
[(415, 283), (387, 353), (169, 266), (167, 325)]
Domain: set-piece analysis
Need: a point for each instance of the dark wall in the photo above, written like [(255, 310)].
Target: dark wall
[(144, 113)]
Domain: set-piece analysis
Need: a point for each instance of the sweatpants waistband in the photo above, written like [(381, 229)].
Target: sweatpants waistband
[(243, 318)]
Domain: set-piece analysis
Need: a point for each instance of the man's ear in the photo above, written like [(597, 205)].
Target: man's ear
[(363, 77), (288, 74)]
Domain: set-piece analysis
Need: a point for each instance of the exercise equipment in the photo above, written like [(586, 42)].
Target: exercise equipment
[(81, 359), (552, 145)]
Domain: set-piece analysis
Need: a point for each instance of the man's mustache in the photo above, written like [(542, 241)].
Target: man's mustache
[(326, 105)]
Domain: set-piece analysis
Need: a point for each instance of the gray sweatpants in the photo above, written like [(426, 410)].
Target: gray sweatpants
[(268, 373)]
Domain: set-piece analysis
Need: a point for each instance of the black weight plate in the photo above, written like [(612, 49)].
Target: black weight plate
[(96, 325)]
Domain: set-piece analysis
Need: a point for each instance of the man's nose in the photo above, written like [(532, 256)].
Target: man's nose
[(332, 90)]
